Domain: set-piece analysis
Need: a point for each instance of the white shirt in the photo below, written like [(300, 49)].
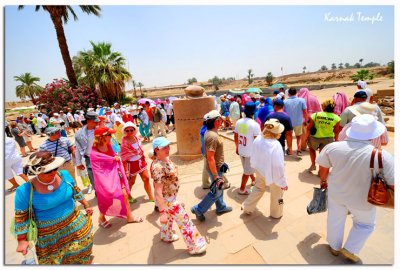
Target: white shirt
[(10, 150), (112, 117), (58, 120), (246, 129), (41, 122), (70, 117), (82, 117), (350, 177), (268, 159), (164, 115), (76, 117), (168, 108)]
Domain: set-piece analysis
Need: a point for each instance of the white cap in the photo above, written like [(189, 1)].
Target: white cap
[(211, 115)]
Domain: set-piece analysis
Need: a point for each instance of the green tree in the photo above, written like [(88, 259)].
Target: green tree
[(341, 66), (333, 66), (60, 15), (304, 69), (362, 75), (134, 87), (269, 78), (216, 82), (29, 87), (323, 68), (103, 69), (140, 85), (347, 65), (360, 61), (192, 80), (357, 65), (250, 76), (390, 68)]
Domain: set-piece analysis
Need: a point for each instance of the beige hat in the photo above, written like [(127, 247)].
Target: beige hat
[(274, 126), (36, 168), (364, 108)]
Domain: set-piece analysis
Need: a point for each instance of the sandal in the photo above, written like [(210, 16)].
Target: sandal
[(132, 200), (105, 224), (136, 220), (11, 189), (288, 152), (299, 153), (253, 183), (245, 192)]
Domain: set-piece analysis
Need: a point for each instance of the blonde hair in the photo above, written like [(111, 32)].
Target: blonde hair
[(269, 135), (98, 140)]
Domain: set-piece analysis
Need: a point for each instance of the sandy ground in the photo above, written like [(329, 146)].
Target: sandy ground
[(233, 238)]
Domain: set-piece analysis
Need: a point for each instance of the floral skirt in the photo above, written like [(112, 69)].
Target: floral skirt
[(68, 241)]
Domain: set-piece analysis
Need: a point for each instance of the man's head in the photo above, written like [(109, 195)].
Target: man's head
[(61, 112), (39, 115), (281, 90), (249, 109), (278, 104), (292, 91), (276, 92), (361, 84), (167, 100), (212, 119), (360, 96), (116, 105), (54, 133), (55, 115), (147, 104), (92, 119)]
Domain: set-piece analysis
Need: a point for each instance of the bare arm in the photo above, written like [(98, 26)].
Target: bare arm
[(235, 137), (211, 162), (323, 176)]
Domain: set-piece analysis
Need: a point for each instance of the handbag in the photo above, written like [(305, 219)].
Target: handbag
[(313, 130), (318, 203), (379, 194), (32, 234)]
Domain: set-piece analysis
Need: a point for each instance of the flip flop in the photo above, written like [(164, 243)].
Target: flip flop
[(132, 200), (136, 220), (105, 224), (11, 189), (245, 192)]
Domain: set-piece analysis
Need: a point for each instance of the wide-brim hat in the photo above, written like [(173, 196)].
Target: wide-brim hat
[(274, 126), (363, 108), (129, 124), (365, 127), (34, 161)]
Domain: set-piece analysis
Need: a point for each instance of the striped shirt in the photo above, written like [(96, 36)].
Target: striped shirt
[(62, 150)]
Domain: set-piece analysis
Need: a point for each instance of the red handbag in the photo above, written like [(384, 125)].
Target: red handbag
[(379, 194)]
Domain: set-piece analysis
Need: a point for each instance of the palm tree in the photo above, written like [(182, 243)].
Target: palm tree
[(134, 87), (304, 69), (59, 16), (250, 75), (361, 60), (333, 67), (139, 84), (29, 87), (104, 70)]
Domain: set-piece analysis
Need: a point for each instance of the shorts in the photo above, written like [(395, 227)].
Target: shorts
[(298, 130), (225, 114), (73, 124), (137, 167), (319, 143), (170, 119), (15, 165), (247, 169)]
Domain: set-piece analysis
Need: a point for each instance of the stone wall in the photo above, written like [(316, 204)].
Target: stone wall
[(385, 100)]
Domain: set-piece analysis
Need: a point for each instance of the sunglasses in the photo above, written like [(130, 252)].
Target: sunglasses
[(108, 135), (129, 130), (54, 170)]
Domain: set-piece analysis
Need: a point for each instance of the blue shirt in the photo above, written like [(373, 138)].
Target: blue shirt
[(284, 119), (203, 130), (294, 107)]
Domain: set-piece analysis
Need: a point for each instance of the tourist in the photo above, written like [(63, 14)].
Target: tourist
[(65, 233), (127, 117), (166, 182), (118, 127), (366, 108), (56, 121), (348, 183), (347, 115), (77, 119), (264, 112), (25, 127), (327, 124), (109, 122), (84, 140), (82, 117), (215, 167), (133, 159), (64, 117), (13, 163), (161, 106), (157, 122), (60, 146), (41, 124), (276, 95), (246, 130), (112, 187), (312, 107), (296, 108), (149, 112), (170, 114), (341, 102), (7, 129), (234, 111), (71, 120), (144, 127), (19, 138), (224, 111), (362, 85), (267, 159), (33, 123), (284, 119)]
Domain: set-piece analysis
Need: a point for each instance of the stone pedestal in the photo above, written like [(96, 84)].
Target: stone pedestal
[(189, 115)]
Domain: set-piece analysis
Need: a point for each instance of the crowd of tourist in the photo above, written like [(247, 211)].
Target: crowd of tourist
[(109, 150)]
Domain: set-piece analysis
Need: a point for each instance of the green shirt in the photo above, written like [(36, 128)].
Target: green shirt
[(324, 122), (34, 121)]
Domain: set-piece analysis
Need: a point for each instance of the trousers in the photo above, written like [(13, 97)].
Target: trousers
[(363, 226), (206, 176), (212, 197), (90, 171)]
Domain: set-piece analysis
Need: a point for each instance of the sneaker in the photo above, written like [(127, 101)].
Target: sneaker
[(334, 252), (350, 256), (174, 238), (90, 189), (226, 210), (198, 250), (200, 217)]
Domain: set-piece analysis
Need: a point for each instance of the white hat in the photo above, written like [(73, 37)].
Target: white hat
[(55, 114), (365, 127), (364, 108), (90, 110), (116, 103), (274, 126), (140, 107), (152, 105), (129, 124), (118, 119), (211, 115), (36, 168), (362, 84)]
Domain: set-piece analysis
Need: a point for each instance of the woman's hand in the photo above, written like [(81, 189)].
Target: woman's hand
[(163, 218), (89, 211), (285, 188), (117, 158), (23, 247)]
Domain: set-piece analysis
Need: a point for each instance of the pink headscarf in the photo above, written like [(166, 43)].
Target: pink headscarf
[(106, 174), (341, 103), (311, 101)]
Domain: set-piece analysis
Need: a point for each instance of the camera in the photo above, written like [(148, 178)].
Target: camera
[(220, 183)]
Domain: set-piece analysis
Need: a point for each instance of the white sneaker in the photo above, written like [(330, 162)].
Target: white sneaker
[(174, 238), (198, 250), (90, 189)]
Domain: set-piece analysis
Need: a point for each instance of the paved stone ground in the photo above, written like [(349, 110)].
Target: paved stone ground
[(233, 238)]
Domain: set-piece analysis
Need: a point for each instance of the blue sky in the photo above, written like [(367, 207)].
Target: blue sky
[(167, 45)]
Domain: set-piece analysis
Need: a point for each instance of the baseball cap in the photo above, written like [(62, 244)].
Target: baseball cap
[(160, 142), (211, 115), (361, 94), (52, 130), (276, 92), (92, 116), (278, 102), (101, 131), (249, 108)]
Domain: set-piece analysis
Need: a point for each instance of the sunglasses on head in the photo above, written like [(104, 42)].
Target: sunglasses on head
[(53, 170)]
